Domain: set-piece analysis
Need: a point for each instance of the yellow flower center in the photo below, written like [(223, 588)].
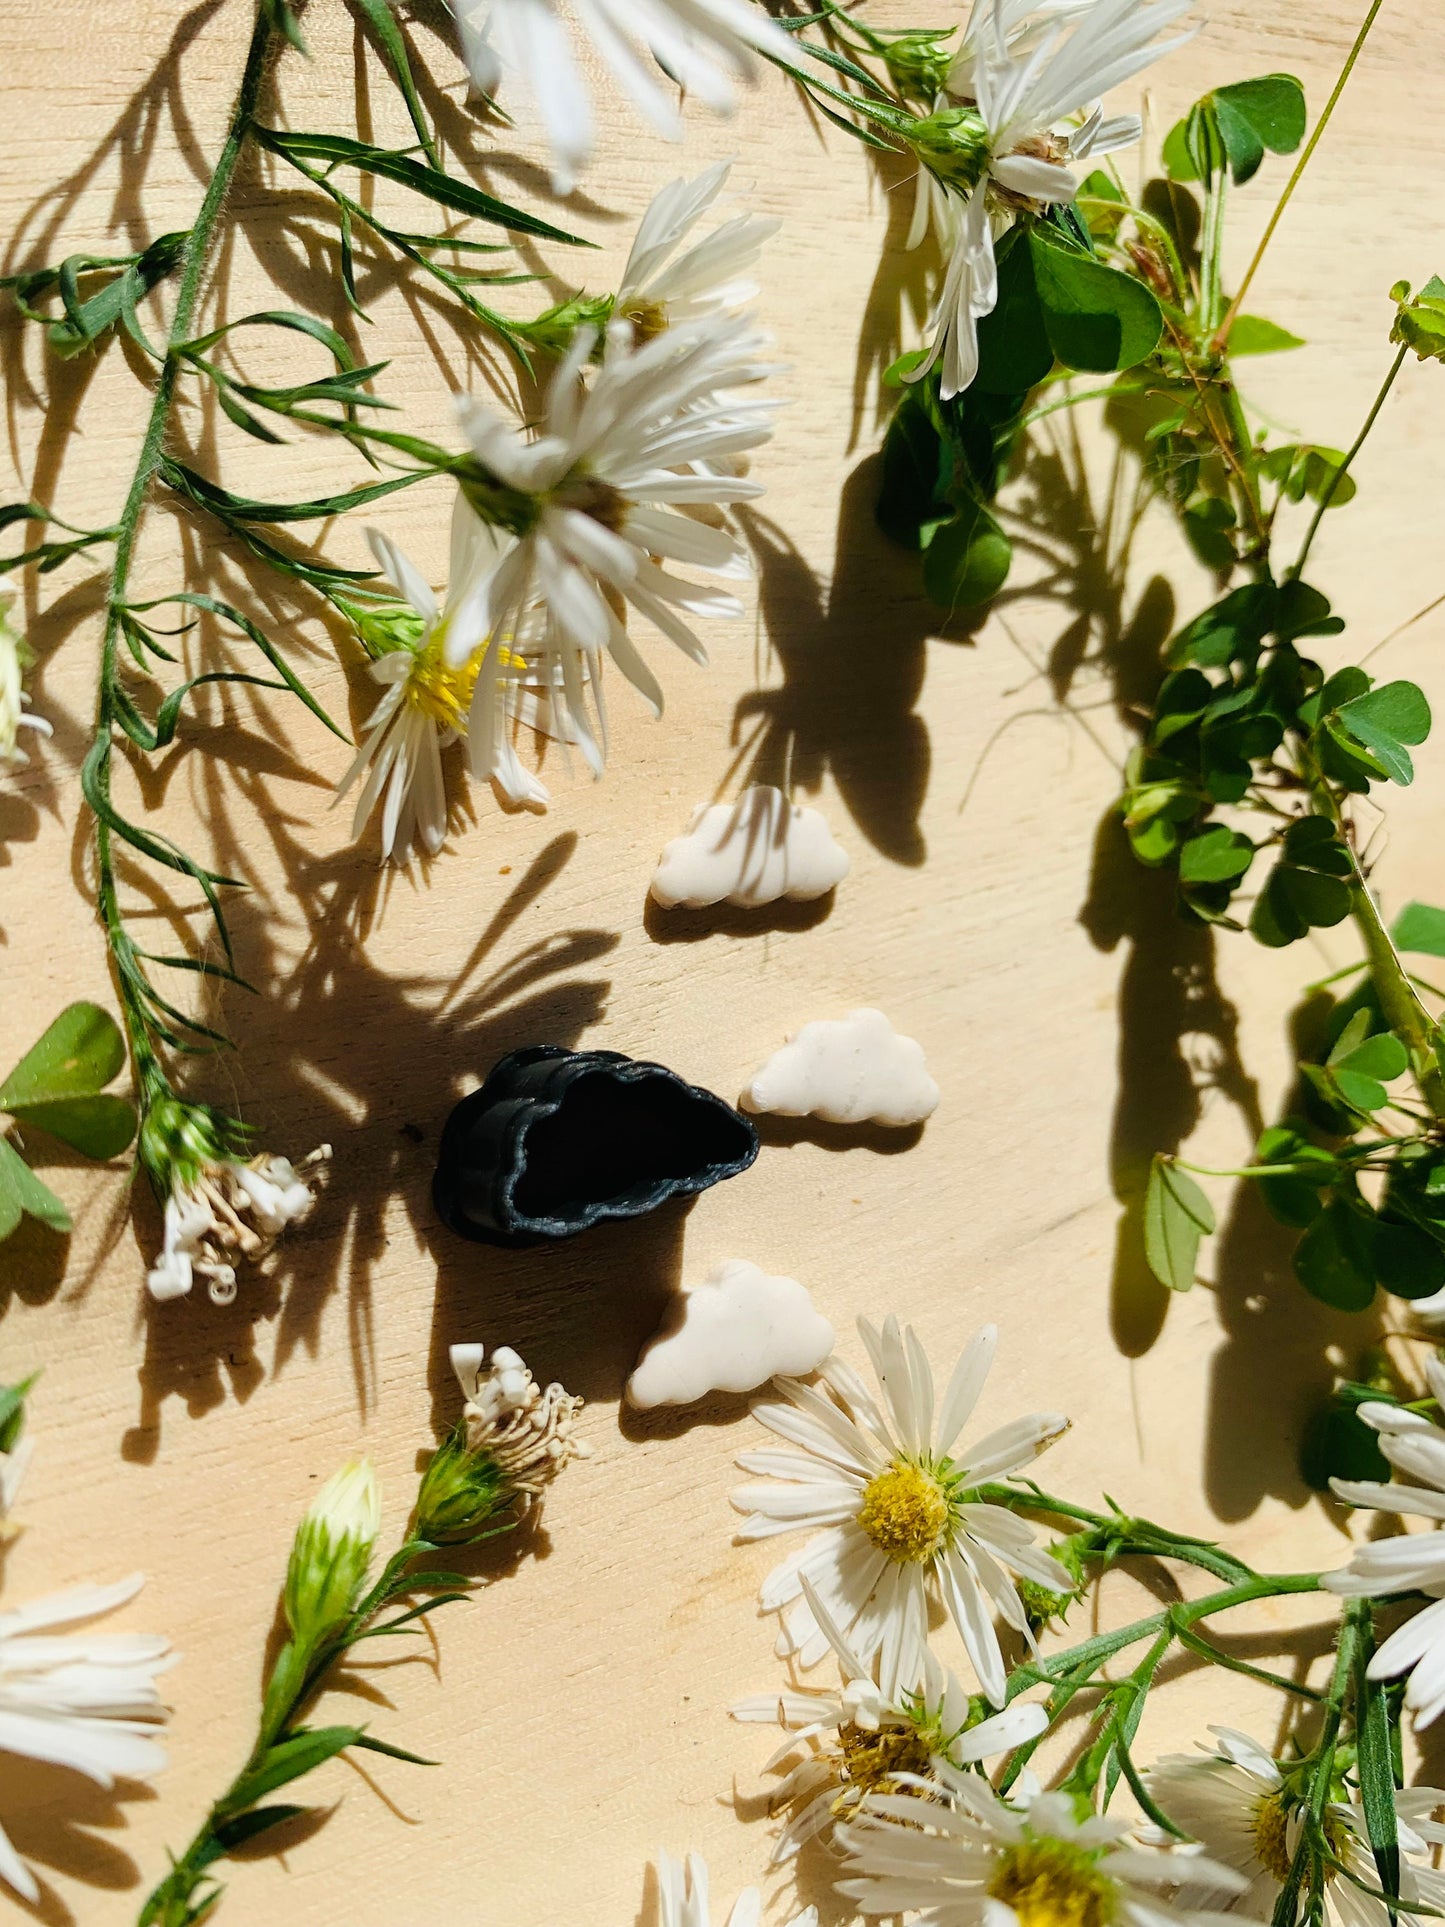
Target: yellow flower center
[(648, 318), (442, 693), (590, 495), (872, 1759), (905, 1513), (1271, 1837), (1049, 1883)]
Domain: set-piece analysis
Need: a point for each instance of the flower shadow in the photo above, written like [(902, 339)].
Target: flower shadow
[(59, 1819)]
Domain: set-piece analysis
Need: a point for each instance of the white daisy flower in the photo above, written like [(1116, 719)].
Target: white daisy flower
[(424, 707), (683, 1900), (225, 1211), (1031, 1861), (703, 46), (844, 1745), (1405, 1562), (662, 288), (893, 1500), (1243, 1809), (593, 500), (87, 1701), (15, 658), (1012, 153)]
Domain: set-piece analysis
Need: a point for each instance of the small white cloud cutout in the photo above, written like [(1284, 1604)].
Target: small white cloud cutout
[(750, 852), (852, 1070), (731, 1333)]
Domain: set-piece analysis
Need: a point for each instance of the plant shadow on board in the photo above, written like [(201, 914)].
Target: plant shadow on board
[(1178, 1047)]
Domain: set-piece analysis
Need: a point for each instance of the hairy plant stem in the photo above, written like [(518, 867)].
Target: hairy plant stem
[(1221, 337), (151, 1080)]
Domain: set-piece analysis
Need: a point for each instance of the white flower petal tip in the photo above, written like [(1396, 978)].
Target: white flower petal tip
[(852, 1070), (750, 853), (733, 1332)]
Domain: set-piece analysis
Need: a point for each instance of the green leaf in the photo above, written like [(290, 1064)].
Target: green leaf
[(910, 498), (1097, 319), (1339, 1445), (1255, 115), (1375, 1766), (1294, 1201), (1014, 349), (967, 560), (287, 1760), (1420, 927), (1420, 324), (383, 24), (1308, 888), (1178, 161), (1387, 718), (100, 1126), (1216, 855), (1176, 1216), (1308, 468), (441, 188), (231, 1834), (1233, 627), (1251, 334), (1333, 1260), (1409, 1263), (77, 1056), (22, 1193), (1209, 522)]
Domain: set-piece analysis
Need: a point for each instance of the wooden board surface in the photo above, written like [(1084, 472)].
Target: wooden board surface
[(579, 1705)]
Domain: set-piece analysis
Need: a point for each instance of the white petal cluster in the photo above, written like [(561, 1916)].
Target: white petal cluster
[(847, 1744), (683, 1899), (959, 1866), (1236, 1801), (1405, 1562), (87, 1701), (14, 702), (230, 1211), (703, 46), (890, 1499), (1036, 75)]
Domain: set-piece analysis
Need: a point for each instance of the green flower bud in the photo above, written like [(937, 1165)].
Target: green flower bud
[(953, 144), (462, 1490), (385, 628), (178, 1141), (331, 1553), (552, 331), (917, 64)]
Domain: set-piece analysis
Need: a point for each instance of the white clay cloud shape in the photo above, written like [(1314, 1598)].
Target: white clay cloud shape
[(731, 1333), (852, 1070), (750, 852)]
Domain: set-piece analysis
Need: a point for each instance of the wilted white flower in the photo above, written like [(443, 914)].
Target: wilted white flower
[(15, 658), (331, 1552), (87, 1701), (218, 1208), (847, 1744), (529, 1432), (1405, 1562), (593, 502), (1035, 111), (1030, 1861), (1244, 1809), (896, 1510), (703, 46)]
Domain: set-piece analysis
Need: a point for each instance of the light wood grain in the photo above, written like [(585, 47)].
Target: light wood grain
[(579, 1705)]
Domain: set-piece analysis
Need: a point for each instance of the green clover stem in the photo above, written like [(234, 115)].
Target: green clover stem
[(1221, 338), (1327, 495)]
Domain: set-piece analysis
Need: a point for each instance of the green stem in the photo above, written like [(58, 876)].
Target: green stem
[(1334, 482), (1399, 1000), (1211, 268), (150, 1078), (1221, 338)]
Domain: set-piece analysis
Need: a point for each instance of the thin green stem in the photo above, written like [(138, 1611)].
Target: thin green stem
[(1211, 271), (1399, 1000), (150, 1077), (1339, 475), (1221, 338)]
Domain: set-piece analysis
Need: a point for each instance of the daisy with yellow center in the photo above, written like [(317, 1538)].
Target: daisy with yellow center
[(1243, 1807), (425, 657), (845, 1744), (1032, 1861), (892, 1499)]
